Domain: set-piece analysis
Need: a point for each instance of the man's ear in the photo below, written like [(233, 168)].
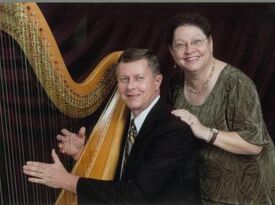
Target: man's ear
[(158, 80)]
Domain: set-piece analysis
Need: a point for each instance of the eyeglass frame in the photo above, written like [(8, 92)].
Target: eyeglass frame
[(194, 44)]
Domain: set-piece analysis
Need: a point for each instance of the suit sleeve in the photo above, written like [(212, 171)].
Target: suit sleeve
[(168, 157)]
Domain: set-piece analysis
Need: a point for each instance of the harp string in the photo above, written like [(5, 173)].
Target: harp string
[(29, 93), (4, 123), (64, 120), (26, 135), (39, 122), (14, 142), (81, 99), (52, 118), (13, 137), (25, 138), (40, 99), (18, 117)]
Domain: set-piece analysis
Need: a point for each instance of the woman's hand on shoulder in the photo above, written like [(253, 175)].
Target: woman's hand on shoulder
[(199, 130)]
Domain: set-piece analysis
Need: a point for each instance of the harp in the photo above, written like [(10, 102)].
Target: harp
[(39, 97)]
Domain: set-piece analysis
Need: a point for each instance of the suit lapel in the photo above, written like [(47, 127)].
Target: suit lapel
[(150, 121), (145, 134)]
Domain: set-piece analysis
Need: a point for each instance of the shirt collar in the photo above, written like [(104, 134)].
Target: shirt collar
[(141, 117)]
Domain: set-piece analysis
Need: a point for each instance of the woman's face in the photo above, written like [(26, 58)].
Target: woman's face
[(191, 49)]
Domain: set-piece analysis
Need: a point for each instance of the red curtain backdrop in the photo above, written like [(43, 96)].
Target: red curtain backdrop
[(243, 35)]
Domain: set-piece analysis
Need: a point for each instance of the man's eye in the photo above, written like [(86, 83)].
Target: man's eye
[(139, 78), (123, 80)]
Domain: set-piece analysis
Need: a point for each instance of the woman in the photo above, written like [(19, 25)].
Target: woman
[(221, 105)]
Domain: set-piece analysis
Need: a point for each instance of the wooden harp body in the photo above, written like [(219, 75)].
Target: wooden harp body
[(32, 116)]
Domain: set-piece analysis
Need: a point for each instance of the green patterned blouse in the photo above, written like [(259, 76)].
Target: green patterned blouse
[(228, 178)]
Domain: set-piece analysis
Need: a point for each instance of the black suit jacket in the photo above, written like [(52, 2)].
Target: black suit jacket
[(161, 169)]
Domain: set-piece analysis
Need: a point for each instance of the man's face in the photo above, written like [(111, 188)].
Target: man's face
[(137, 84)]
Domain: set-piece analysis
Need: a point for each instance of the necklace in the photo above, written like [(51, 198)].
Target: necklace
[(204, 85)]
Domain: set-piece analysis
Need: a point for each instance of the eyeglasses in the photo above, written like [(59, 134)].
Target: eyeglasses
[(182, 46)]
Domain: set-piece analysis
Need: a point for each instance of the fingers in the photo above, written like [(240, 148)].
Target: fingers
[(185, 116), (34, 169), (65, 135), (36, 180), (66, 132), (63, 140), (32, 173), (82, 132), (71, 143), (61, 146), (37, 172), (55, 157), (35, 166)]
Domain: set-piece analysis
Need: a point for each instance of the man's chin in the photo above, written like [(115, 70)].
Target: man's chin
[(133, 107), (132, 103)]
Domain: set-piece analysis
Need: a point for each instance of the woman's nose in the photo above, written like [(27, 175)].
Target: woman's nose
[(189, 48)]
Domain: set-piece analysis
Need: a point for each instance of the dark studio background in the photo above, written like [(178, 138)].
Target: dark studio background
[(243, 35)]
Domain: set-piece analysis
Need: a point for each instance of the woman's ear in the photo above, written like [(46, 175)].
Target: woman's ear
[(172, 54), (211, 43), (171, 50)]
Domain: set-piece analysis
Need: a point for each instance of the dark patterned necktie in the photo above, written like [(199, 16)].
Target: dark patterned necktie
[(132, 134)]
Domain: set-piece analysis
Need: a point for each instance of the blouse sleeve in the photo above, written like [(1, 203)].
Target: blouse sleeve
[(244, 110)]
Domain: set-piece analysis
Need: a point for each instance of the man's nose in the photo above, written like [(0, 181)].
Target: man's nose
[(131, 84)]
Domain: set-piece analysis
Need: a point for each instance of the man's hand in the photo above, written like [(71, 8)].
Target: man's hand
[(53, 175), (71, 143)]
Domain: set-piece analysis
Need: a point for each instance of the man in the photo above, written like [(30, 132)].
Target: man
[(161, 166)]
